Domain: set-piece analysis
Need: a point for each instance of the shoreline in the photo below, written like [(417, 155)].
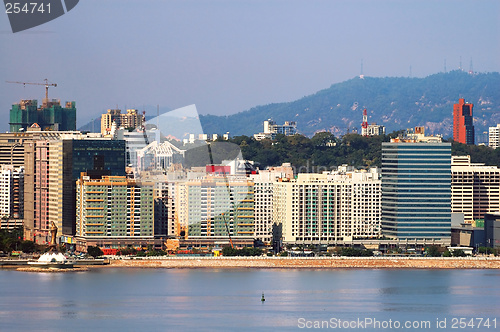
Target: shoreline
[(307, 263), (52, 270)]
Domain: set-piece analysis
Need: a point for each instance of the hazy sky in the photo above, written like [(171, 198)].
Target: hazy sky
[(228, 56)]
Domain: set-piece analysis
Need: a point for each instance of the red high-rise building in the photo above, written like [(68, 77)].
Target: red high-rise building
[(463, 127)]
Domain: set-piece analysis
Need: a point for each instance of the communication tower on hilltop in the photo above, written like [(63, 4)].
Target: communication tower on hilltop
[(364, 124)]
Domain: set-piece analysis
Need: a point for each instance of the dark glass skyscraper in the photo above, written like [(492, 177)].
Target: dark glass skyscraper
[(84, 152), (416, 191)]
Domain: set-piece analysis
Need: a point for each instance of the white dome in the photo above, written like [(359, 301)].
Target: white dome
[(52, 257)]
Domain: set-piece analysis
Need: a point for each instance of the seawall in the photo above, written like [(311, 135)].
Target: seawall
[(312, 262)]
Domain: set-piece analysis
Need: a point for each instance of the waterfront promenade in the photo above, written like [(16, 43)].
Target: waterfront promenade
[(311, 262)]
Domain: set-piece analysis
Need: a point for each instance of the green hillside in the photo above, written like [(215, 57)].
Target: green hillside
[(324, 151), (396, 102)]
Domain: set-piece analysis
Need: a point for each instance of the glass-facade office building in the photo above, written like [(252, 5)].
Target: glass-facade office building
[(416, 191), (84, 151)]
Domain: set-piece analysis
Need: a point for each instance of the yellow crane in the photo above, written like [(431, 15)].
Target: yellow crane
[(47, 84)]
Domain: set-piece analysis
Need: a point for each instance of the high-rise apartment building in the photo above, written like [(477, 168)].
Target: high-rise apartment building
[(463, 125), (218, 207), (51, 116), (132, 119), (164, 226), (263, 207), (114, 208), (475, 188), (107, 120), (263, 184), (15, 153), (11, 192), (53, 164), (177, 209), (12, 145), (416, 191), (11, 150), (494, 137), (328, 208)]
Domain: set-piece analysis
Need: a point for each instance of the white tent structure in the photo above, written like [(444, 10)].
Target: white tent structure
[(157, 156)]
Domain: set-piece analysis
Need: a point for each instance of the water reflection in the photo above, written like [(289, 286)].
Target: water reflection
[(185, 299), (69, 310)]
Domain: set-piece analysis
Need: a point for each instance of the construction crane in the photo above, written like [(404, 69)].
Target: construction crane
[(227, 229), (231, 200), (47, 84), (144, 128)]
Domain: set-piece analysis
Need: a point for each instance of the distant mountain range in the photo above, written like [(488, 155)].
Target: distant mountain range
[(395, 102)]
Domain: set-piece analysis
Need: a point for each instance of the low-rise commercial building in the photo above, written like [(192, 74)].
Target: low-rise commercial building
[(271, 129), (492, 229)]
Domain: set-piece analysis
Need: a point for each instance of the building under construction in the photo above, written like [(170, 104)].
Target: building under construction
[(50, 116)]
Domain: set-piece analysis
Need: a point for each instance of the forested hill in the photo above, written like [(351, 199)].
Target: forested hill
[(317, 154), (395, 102)]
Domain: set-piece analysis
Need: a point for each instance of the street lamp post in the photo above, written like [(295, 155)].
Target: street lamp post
[(12, 153)]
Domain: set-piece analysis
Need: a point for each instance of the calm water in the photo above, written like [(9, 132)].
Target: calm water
[(229, 299)]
